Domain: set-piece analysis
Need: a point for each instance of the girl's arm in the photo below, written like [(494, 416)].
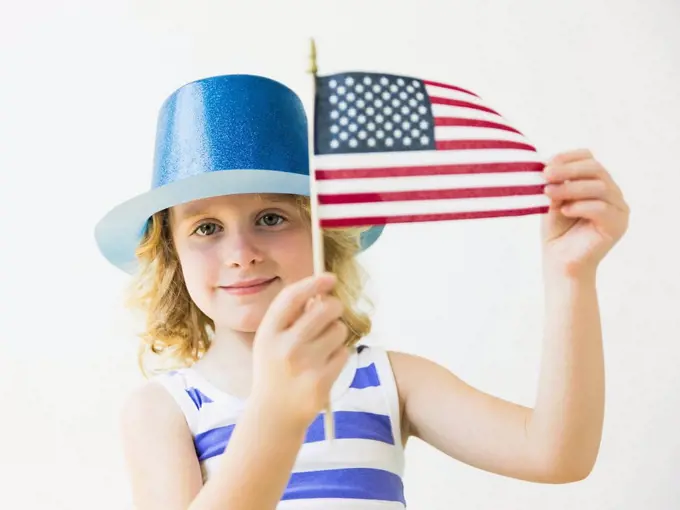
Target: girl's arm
[(557, 441), (298, 352), (165, 472)]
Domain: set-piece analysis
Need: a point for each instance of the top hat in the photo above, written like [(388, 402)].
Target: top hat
[(221, 135)]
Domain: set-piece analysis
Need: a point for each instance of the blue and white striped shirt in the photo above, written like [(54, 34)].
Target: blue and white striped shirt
[(361, 469)]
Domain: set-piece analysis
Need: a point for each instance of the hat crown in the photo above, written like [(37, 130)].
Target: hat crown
[(230, 122)]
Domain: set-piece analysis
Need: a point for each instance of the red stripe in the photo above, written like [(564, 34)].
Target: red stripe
[(430, 194), (447, 86), (454, 121), (464, 104), (425, 170), (453, 145), (416, 218)]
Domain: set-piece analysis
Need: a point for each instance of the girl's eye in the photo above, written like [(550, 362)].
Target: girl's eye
[(271, 219), (207, 229)]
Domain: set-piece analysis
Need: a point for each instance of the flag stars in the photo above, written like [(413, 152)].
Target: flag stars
[(377, 112)]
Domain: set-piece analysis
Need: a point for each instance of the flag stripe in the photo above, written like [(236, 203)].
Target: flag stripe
[(431, 194), (422, 158), (430, 182), (458, 121), (453, 94), (447, 86), (427, 170), (453, 145), (417, 218), (420, 207), (462, 104), (445, 110), (443, 133)]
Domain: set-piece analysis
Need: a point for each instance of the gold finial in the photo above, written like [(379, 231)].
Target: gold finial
[(312, 58)]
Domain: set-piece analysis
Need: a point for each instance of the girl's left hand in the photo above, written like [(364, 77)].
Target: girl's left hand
[(587, 215)]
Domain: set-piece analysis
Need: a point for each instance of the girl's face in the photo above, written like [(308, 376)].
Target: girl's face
[(237, 252)]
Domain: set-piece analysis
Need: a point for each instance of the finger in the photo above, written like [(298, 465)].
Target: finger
[(577, 190), (577, 170), (570, 157), (291, 301), (594, 210), (336, 362), (320, 314)]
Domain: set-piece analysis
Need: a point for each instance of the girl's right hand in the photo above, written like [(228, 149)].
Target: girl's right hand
[(299, 350)]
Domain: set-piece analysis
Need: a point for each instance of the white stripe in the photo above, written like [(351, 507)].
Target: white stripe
[(355, 453), (339, 504), (435, 91), (431, 206), (369, 400), (335, 186), (476, 133), (445, 110), (418, 158)]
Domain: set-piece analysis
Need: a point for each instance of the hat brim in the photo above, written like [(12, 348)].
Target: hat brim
[(119, 232)]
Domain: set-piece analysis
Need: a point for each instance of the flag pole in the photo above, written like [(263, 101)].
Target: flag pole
[(317, 233)]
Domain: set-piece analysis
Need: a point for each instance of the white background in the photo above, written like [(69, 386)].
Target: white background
[(81, 84)]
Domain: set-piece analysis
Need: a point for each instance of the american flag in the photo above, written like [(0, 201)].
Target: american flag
[(397, 149)]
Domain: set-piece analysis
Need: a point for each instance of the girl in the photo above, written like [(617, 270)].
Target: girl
[(222, 251)]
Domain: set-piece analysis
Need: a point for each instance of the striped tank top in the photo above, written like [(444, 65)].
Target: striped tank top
[(361, 469)]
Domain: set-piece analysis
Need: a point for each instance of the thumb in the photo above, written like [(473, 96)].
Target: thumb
[(290, 303)]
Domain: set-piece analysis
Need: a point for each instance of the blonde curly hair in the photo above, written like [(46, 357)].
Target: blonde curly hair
[(177, 333)]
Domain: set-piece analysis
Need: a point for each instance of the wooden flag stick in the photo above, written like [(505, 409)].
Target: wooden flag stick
[(317, 233)]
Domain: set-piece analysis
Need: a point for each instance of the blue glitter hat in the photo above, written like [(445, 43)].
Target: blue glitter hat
[(221, 135)]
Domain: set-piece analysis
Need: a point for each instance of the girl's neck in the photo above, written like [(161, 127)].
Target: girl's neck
[(228, 362)]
